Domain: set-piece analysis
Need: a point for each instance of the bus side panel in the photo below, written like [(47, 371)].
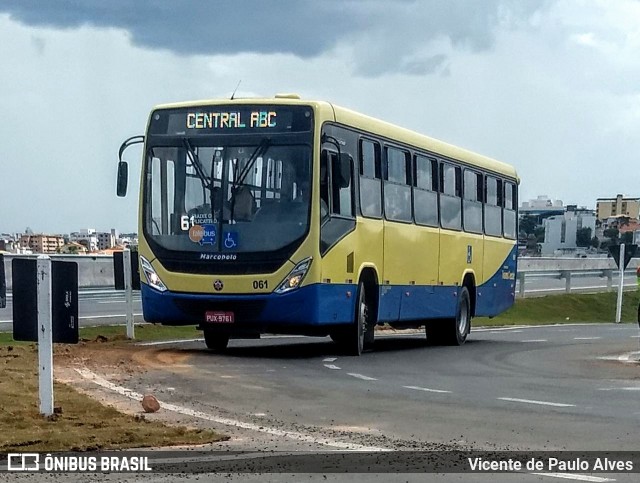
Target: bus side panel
[(460, 252), (364, 246), (411, 269), (421, 303), (497, 294)]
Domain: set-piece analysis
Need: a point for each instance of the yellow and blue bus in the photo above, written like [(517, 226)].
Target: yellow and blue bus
[(283, 215)]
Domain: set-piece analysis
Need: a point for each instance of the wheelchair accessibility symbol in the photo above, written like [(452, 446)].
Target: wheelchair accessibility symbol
[(231, 240)]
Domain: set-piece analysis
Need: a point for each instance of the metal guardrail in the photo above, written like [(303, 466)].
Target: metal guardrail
[(569, 269), (96, 272)]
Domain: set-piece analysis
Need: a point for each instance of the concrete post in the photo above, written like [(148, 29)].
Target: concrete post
[(128, 293), (45, 335), (620, 285), (521, 277)]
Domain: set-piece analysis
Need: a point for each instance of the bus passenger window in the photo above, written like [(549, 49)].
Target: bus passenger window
[(472, 201), (492, 207), (397, 189), (425, 196), (450, 196), (370, 179), (324, 185), (510, 208)]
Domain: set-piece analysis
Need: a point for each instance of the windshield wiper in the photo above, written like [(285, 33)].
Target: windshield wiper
[(259, 151), (195, 161)]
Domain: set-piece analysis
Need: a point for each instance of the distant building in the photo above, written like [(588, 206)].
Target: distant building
[(542, 207), (86, 237), (41, 243), (560, 231), (618, 206), (106, 240)]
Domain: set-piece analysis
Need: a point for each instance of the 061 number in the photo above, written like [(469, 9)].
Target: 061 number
[(260, 284)]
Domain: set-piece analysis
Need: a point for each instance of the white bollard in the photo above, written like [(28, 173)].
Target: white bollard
[(620, 285), (128, 294), (45, 335)]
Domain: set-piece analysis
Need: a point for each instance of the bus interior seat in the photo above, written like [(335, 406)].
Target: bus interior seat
[(243, 204)]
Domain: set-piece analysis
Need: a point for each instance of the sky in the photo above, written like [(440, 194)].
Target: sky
[(552, 87)]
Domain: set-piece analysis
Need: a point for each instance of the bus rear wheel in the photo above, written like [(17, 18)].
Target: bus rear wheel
[(452, 331), (216, 341)]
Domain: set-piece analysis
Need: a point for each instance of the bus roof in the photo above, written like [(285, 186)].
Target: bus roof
[(369, 124)]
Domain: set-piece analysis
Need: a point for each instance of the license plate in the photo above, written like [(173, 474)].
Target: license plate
[(219, 317)]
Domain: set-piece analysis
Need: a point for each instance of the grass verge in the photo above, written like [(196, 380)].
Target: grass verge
[(83, 425), (567, 308)]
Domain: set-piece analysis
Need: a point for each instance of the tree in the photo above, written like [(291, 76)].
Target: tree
[(627, 238), (583, 237), (611, 233), (528, 224), (595, 243), (539, 233)]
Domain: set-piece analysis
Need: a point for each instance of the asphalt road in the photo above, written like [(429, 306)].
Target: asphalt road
[(553, 388)]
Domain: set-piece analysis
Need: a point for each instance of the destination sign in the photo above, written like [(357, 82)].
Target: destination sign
[(231, 120), (206, 120)]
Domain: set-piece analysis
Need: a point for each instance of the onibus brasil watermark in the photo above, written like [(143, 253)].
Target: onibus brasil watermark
[(32, 462)]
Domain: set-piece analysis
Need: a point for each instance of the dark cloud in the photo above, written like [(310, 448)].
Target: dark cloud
[(305, 28)]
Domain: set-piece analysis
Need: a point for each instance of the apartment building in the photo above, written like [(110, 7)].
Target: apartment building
[(618, 206), (41, 243)]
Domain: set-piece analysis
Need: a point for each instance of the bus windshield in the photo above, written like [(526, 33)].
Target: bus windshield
[(210, 197)]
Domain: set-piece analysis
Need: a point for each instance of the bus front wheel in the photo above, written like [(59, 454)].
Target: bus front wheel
[(361, 333), (215, 340)]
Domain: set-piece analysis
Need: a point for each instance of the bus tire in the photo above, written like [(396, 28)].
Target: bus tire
[(452, 331), (361, 332), (216, 341)]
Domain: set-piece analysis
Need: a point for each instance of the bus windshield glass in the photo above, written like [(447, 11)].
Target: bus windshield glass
[(217, 195)]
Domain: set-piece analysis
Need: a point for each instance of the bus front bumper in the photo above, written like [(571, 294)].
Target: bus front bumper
[(309, 307)]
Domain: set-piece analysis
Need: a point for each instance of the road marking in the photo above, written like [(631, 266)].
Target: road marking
[(534, 340), (163, 342), (360, 376), (331, 366), (569, 476), (541, 403), (587, 338), (294, 435), (90, 317), (426, 389), (117, 301), (329, 359), (620, 389)]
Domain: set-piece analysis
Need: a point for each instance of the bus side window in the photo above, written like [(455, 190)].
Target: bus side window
[(397, 185), (425, 191), (510, 208), (324, 185), (336, 184), (492, 207), (450, 196), (370, 178), (472, 201)]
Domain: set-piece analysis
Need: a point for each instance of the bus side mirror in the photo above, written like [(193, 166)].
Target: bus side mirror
[(123, 177), (341, 170)]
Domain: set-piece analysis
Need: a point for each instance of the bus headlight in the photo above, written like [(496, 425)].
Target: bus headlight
[(295, 277), (152, 277)]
